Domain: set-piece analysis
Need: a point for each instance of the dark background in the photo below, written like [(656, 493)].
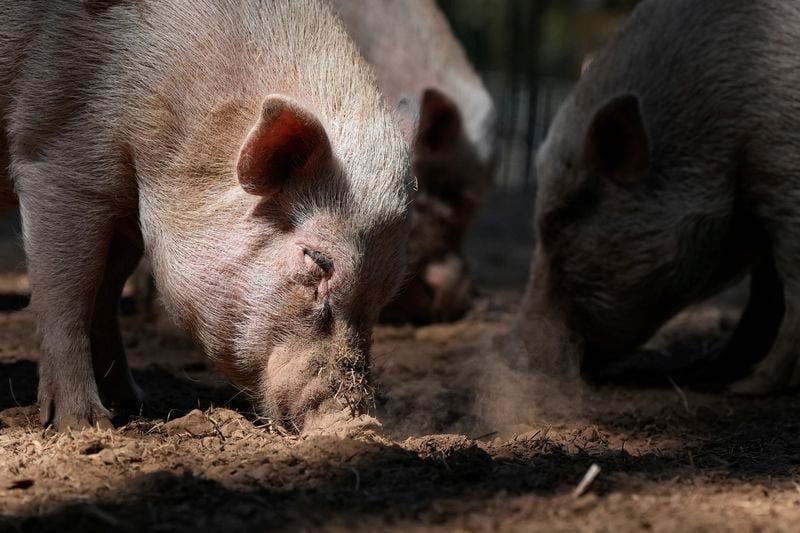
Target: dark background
[(529, 53)]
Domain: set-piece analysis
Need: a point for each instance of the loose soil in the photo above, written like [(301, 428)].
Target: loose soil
[(466, 443)]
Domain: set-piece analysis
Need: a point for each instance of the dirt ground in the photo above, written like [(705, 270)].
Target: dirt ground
[(466, 443)]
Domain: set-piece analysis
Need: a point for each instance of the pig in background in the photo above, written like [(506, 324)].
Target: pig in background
[(668, 173), (423, 70), (245, 149)]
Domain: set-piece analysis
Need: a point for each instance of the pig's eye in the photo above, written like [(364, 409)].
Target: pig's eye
[(320, 260)]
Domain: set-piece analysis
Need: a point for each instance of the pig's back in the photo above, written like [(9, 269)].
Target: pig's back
[(707, 72), (209, 56), (20, 21), (413, 48), (54, 62), (149, 73)]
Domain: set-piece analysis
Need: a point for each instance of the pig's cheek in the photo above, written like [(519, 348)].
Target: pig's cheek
[(538, 304), (301, 293), (300, 290), (323, 289)]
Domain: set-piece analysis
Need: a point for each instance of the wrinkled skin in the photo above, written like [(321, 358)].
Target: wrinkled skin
[(423, 70), (257, 169), (663, 180)]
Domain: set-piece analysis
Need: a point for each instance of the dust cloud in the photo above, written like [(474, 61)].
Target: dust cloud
[(480, 378)]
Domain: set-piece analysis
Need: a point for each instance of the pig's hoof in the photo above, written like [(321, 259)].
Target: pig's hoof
[(63, 419), (79, 422), (755, 385)]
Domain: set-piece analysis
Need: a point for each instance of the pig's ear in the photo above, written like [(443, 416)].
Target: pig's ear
[(285, 141), (406, 112), (439, 121), (616, 144)]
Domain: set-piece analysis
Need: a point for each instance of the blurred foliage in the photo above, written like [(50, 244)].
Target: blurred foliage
[(550, 37)]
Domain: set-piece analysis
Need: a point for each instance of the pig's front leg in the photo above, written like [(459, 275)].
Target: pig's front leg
[(67, 237)]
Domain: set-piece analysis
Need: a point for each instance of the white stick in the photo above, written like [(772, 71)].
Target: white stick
[(588, 479)]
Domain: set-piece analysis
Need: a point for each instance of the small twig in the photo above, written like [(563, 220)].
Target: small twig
[(485, 435), (189, 378), (681, 394), (216, 426), (586, 482), (444, 462), (240, 392), (11, 389), (109, 369), (358, 479), (102, 515)]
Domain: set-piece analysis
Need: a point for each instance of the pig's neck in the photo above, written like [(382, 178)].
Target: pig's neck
[(194, 218), (199, 259)]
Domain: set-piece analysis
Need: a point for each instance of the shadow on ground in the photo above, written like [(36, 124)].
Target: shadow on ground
[(167, 395)]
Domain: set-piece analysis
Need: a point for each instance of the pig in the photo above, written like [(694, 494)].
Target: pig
[(668, 173), (423, 71), (245, 149)]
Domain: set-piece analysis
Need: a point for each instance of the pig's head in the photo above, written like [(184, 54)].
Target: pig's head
[(448, 161), (319, 252), (452, 175), (626, 238)]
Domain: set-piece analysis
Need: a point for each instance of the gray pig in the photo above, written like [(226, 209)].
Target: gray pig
[(245, 148), (668, 173), (422, 68)]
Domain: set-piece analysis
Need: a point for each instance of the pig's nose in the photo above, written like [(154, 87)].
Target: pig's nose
[(541, 300), (536, 303), (450, 287)]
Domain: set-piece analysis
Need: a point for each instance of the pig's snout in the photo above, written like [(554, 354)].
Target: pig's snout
[(543, 326), (449, 284), (550, 346), (562, 335), (441, 292), (304, 380)]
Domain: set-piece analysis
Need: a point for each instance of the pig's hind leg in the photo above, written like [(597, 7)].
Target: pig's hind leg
[(780, 368), (772, 188), (775, 372), (67, 233), (117, 387)]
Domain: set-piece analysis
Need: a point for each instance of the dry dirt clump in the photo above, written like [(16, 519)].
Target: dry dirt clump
[(460, 439)]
